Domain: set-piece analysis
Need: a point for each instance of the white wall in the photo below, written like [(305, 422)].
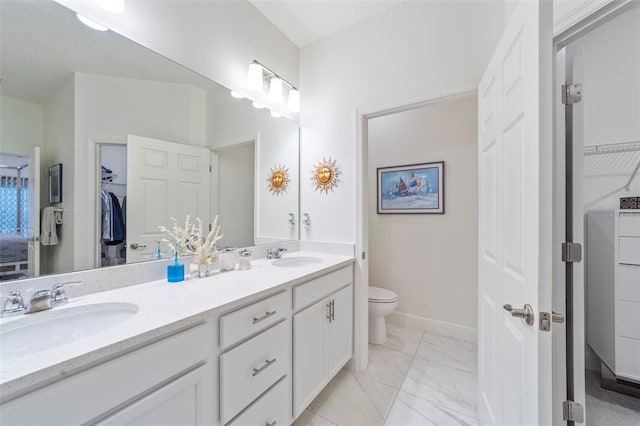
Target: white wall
[(218, 39), (236, 194), (59, 148), (232, 121), (110, 108), (21, 125), (405, 54), (430, 261), (609, 60)]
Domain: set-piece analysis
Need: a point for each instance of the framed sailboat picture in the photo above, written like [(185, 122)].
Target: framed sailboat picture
[(411, 189)]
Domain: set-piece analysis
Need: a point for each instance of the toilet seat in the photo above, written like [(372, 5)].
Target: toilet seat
[(382, 295)]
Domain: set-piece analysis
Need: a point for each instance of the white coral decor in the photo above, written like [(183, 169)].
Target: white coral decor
[(190, 240)]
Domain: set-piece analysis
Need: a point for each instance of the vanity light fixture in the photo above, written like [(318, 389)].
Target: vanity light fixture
[(113, 6), (254, 78), (91, 24), (294, 100), (237, 95), (275, 90), (260, 76)]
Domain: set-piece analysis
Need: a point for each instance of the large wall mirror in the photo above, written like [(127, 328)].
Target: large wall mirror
[(140, 139)]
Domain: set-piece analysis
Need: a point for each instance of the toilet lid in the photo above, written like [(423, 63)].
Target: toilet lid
[(377, 294)]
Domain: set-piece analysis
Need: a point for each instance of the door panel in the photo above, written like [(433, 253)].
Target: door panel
[(340, 342), (309, 354), (514, 135), (164, 180)]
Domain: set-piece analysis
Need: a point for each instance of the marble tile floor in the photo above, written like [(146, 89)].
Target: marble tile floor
[(606, 407), (415, 378)]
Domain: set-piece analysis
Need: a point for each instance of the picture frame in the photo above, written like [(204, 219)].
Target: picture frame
[(55, 183), (411, 189)]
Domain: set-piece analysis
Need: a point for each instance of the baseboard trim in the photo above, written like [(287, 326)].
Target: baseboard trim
[(436, 326), (592, 363)]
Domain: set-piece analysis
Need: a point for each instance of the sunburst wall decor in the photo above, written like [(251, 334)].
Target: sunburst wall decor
[(278, 180), (325, 175)]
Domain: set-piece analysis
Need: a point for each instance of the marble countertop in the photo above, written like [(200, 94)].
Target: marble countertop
[(163, 308)]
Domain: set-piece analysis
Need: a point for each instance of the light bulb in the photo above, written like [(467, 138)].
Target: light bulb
[(254, 78), (257, 105), (113, 6), (275, 90), (91, 24), (294, 100), (237, 95), (275, 114)]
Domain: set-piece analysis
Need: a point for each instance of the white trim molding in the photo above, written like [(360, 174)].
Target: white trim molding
[(440, 327)]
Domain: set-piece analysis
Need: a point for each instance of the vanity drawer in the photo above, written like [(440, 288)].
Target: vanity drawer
[(629, 250), (629, 225), (244, 322), (271, 409), (628, 283), (251, 368), (627, 319), (628, 358), (312, 291)]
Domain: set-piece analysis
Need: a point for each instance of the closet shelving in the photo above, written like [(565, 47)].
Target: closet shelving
[(617, 148)]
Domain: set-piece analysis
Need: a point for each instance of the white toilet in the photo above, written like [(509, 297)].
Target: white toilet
[(381, 303)]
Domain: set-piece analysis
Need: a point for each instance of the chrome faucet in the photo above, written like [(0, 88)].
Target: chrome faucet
[(275, 253), (40, 300), (13, 304)]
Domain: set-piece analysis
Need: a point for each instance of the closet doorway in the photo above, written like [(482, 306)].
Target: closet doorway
[(601, 120), (112, 202)]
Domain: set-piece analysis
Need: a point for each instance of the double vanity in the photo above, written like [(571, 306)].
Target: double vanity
[(250, 347)]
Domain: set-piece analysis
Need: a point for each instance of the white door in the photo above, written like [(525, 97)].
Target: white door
[(182, 402), (33, 233), (309, 354), (339, 340), (164, 180), (515, 168)]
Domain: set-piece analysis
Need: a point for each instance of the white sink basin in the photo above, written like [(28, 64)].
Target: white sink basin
[(296, 262), (49, 329)]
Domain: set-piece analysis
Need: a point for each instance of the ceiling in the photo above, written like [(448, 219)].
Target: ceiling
[(306, 21)]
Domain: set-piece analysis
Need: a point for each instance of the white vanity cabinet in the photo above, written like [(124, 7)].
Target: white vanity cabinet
[(171, 379), (613, 290), (251, 364), (322, 334)]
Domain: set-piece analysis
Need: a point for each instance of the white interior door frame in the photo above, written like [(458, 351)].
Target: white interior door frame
[(361, 270), (92, 196), (582, 21)]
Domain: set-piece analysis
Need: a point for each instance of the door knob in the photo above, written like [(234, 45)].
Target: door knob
[(526, 313), (136, 246)]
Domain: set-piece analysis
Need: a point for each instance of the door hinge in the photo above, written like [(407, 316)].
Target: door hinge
[(364, 255), (572, 412), (571, 94), (571, 252)]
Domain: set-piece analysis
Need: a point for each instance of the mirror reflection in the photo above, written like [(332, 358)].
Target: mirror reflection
[(140, 139)]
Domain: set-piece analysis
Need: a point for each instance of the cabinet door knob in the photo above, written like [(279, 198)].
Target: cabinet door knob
[(267, 364)]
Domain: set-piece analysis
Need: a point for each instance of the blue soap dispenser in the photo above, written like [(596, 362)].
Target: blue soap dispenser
[(175, 272)]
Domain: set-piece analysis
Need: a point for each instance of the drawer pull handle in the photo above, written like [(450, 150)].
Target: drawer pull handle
[(264, 317), (267, 363), (273, 423)]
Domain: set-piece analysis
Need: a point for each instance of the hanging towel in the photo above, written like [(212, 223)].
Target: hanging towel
[(51, 216)]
